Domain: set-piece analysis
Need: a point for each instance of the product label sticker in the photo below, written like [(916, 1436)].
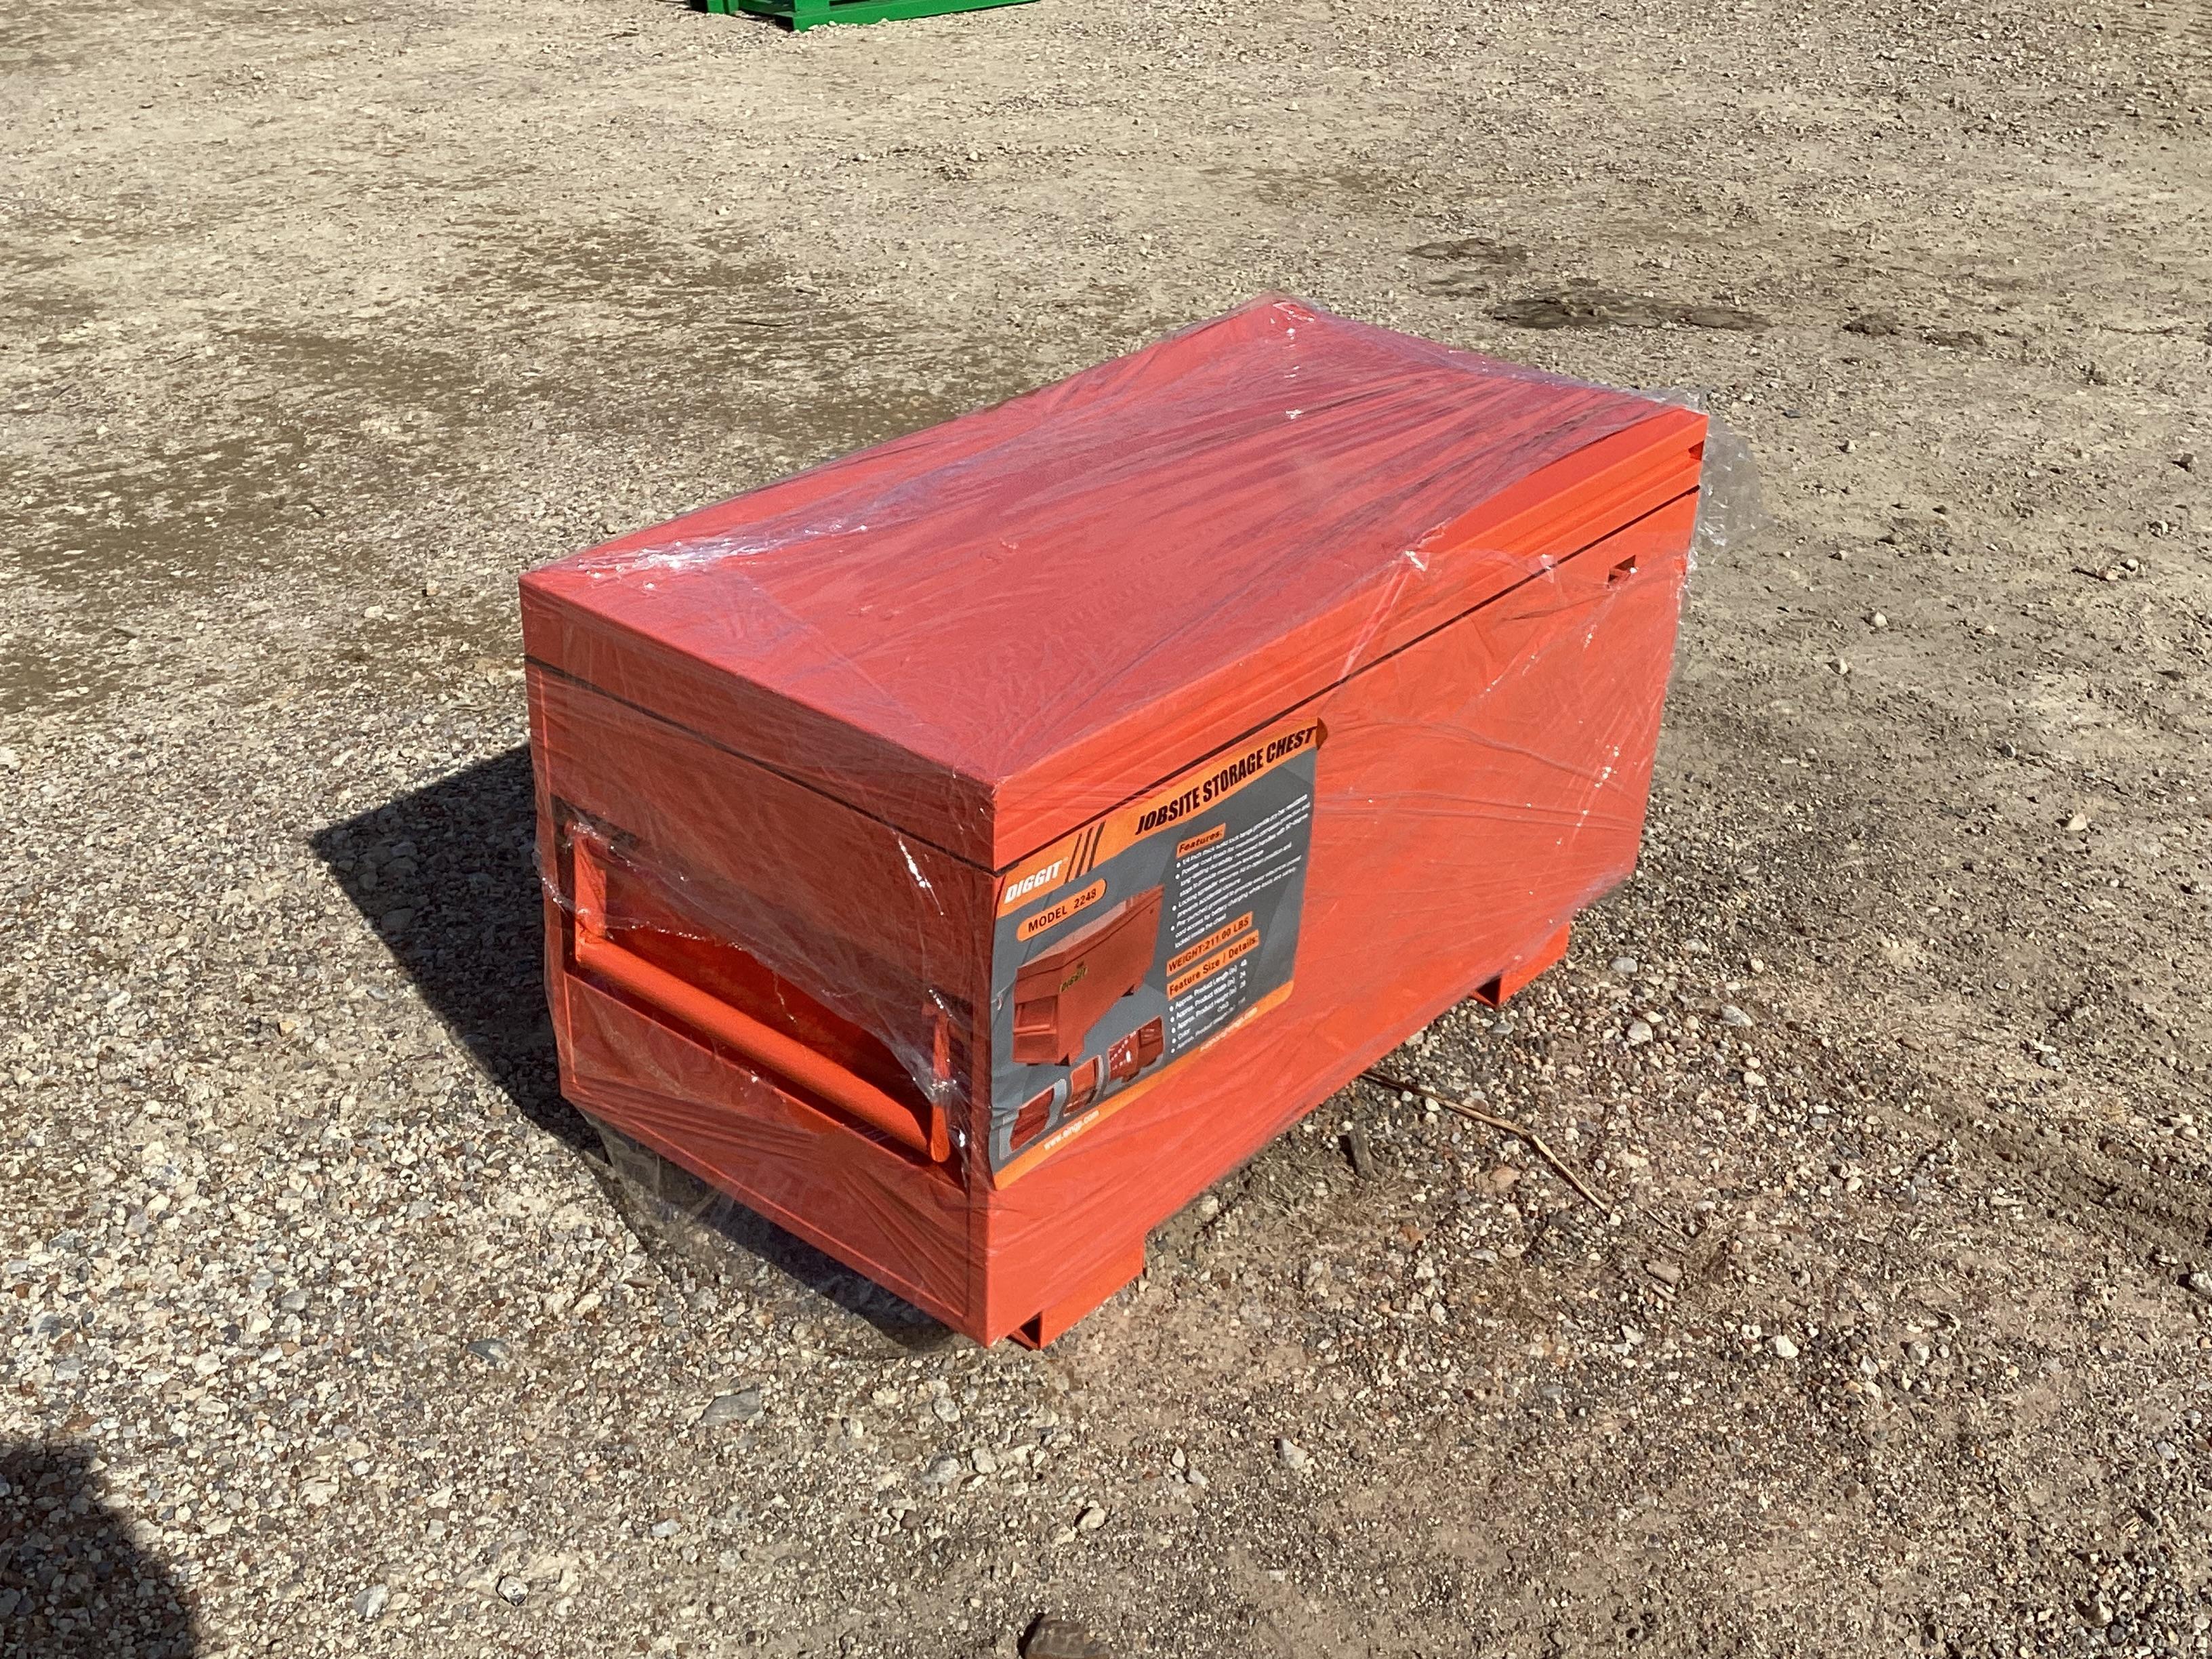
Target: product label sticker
[(1144, 935)]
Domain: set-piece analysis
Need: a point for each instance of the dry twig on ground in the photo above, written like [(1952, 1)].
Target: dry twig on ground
[(1506, 1125)]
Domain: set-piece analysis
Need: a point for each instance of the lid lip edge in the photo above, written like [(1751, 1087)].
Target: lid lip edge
[(796, 778), (971, 847)]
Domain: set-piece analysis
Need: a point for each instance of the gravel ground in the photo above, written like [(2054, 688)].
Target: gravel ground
[(328, 1328)]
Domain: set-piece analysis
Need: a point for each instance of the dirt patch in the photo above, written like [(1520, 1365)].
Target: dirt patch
[(1597, 307)]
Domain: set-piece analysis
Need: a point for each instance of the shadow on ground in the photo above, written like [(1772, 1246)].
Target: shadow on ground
[(447, 875), (73, 1585)]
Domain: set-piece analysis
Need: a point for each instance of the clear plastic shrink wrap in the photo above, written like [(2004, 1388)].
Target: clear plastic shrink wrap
[(965, 851)]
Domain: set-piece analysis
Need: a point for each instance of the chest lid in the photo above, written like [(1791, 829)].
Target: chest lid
[(988, 633)]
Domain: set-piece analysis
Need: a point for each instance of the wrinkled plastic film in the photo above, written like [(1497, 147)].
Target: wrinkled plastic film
[(797, 754), (1729, 511)]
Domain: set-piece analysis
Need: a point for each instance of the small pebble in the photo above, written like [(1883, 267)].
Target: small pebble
[(1732, 1015), (1292, 1455), (741, 1406), (942, 1471), (370, 1603), (1667, 1272), (1784, 1348), (1053, 1637), (1625, 966), (1091, 1519), (2199, 1283), (1639, 1033), (514, 1591), (492, 1351)]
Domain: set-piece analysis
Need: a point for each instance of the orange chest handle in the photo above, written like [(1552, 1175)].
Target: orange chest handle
[(760, 1045)]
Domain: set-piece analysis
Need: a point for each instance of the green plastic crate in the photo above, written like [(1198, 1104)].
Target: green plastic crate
[(810, 14)]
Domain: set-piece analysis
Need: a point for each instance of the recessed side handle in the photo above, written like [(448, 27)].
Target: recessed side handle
[(763, 1046)]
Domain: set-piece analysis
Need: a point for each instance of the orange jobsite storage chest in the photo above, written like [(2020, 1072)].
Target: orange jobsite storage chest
[(965, 852)]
